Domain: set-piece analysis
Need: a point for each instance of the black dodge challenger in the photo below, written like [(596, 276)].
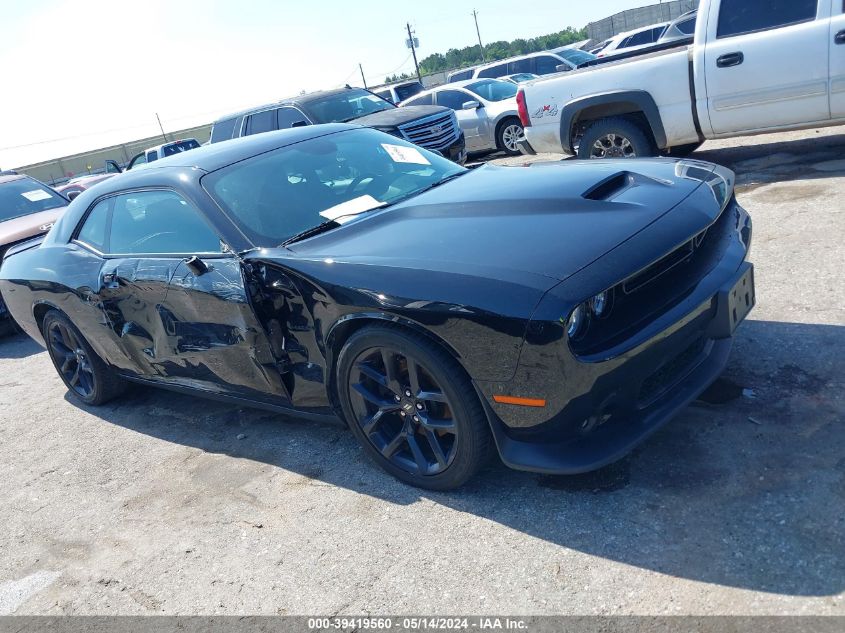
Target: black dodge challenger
[(558, 313)]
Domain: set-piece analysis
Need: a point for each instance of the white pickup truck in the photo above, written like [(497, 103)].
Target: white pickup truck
[(755, 66)]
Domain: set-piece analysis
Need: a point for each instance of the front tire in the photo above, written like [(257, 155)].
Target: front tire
[(615, 137), (508, 134), (412, 408), (84, 373)]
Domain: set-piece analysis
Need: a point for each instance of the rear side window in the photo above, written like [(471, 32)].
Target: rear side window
[(223, 130), (519, 66), (151, 156), (737, 17), (260, 122), (494, 71), (148, 222), (408, 90), (384, 94), (461, 76)]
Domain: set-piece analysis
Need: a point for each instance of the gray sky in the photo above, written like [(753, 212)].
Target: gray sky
[(83, 75)]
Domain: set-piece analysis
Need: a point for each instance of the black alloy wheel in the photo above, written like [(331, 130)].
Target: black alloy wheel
[(82, 371), (412, 409)]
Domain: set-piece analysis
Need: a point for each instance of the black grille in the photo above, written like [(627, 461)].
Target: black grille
[(680, 255), (670, 373)]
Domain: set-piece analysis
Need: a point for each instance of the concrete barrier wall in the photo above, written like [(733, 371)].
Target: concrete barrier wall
[(59, 170), (635, 18)]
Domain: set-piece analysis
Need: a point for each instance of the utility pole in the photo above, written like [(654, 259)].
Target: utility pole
[(477, 32), (413, 50), (364, 79), (161, 127)]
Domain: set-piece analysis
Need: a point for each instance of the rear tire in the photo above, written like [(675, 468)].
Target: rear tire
[(84, 373), (436, 438), (615, 137), (508, 133)]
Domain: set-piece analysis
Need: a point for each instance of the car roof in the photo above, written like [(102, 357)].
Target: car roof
[(298, 99), (518, 57), (13, 177), (217, 155)]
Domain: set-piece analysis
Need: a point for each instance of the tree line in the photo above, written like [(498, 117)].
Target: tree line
[(471, 55)]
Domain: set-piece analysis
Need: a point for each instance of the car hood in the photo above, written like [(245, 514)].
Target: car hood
[(27, 226), (548, 220), (398, 116)]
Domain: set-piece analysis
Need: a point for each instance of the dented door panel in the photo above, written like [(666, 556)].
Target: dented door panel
[(212, 339)]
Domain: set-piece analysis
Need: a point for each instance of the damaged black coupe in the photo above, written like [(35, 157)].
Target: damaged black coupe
[(558, 313)]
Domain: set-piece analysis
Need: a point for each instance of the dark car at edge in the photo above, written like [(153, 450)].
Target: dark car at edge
[(432, 127), (558, 313)]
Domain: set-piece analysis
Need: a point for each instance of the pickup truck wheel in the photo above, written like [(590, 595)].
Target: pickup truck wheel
[(615, 137), (508, 134)]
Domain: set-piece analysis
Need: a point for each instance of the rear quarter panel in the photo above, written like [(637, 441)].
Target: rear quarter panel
[(664, 75)]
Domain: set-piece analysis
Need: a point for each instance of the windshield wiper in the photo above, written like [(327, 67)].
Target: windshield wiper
[(314, 230)]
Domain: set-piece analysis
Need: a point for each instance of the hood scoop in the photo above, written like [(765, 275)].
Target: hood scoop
[(610, 186)]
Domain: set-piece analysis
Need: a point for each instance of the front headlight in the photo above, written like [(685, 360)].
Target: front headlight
[(577, 322), (600, 304)]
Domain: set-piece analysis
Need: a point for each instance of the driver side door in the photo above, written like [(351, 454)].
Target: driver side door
[(473, 122)]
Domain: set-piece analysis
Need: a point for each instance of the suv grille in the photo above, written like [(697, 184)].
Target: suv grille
[(438, 131)]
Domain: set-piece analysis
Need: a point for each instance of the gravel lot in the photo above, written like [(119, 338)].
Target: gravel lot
[(153, 504)]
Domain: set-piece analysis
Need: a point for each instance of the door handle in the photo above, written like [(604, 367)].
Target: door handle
[(839, 38), (730, 59)]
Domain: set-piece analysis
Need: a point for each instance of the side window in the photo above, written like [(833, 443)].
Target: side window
[(687, 27), (423, 100), (93, 231), (461, 76), (158, 222), (454, 99), (747, 16), (222, 130), (494, 71), (546, 64), (151, 156), (288, 116), (519, 66), (384, 94), (260, 122), (638, 39)]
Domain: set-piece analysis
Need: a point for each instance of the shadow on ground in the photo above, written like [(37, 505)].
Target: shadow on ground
[(746, 494), (16, 345)]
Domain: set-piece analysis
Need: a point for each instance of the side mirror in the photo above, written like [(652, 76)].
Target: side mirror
[(471, 105), (73, 194), (562, 68), (299, 124)]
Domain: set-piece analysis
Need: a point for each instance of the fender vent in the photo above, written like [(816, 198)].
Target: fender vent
[(609, 187)]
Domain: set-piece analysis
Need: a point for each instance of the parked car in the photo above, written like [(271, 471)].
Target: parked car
[(680, 28), (519, 78), (396, 93), (28, 208), (154, 153), (75, 186), (433, 127), (753, 68), (679, 32), (559, 313), (633, 39), (486, 111), (542, 63)]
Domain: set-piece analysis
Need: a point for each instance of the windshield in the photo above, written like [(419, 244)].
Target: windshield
[(345, 106), (26, 196), (279, 194), (576, 56), (493, 90), (180, 146)]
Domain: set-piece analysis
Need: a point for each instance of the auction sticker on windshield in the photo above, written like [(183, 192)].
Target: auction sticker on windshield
[(401, 154), (35, 195), (345, 211)]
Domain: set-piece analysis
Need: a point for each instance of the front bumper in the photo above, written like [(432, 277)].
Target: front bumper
[(601, 406), (456, 152)]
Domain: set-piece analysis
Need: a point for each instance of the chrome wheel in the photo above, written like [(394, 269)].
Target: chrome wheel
[(403, 411), (71, 359), (613, 146), (511, 134)]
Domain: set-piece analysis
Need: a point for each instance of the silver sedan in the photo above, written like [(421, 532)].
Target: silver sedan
[(486, 111)]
